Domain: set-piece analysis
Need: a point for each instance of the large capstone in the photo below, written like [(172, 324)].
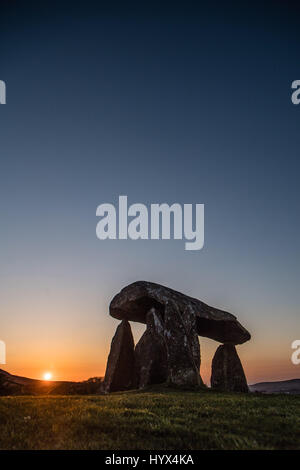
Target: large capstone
[(120, 364), (227, 371), (134, 302), (151, 353)]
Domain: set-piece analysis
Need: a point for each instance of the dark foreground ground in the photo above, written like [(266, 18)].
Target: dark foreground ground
[(156, 420)]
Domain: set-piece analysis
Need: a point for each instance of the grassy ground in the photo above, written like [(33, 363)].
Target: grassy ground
[(155, 420)]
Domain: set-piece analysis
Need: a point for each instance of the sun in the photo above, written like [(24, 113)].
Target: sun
[(47, 376)]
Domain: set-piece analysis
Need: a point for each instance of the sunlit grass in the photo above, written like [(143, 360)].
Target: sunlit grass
[(156, 420)]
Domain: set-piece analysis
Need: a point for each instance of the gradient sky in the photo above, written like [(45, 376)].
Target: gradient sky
[(168, 105)]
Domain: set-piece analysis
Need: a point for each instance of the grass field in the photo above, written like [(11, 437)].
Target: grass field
[(156, 420)]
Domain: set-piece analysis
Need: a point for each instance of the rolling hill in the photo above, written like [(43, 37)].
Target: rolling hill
[(16, 385), (285, 386)]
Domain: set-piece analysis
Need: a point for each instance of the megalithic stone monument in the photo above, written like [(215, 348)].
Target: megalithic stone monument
[(169, 350)]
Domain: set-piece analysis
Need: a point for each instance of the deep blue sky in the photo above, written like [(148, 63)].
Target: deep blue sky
[(173, 104)]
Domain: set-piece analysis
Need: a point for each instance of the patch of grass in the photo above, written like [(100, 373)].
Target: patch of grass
[(157, 419)]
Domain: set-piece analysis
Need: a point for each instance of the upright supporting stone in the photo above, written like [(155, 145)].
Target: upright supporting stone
[(227, 371), (120, 364), (183, 349), (151, 354)]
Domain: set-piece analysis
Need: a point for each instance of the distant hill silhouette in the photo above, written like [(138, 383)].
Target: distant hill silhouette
[(15, 385), (285, 386)]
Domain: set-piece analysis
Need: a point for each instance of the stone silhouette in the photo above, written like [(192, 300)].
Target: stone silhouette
[(120, 364), (135, 300), (183, 349), (151, 353), (169, 350), (227, 370)]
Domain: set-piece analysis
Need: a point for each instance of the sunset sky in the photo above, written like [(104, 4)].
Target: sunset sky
[(181, 105)]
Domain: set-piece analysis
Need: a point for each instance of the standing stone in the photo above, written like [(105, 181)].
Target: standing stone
[(227, 371), (183, 349), (120, 364), (151, 353)]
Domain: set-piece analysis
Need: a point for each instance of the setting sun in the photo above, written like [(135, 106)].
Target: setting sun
[(47, 376)]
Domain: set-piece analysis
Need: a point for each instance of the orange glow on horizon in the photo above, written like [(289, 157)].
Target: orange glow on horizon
[(47, 376), (257, 370), (84, 354)]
